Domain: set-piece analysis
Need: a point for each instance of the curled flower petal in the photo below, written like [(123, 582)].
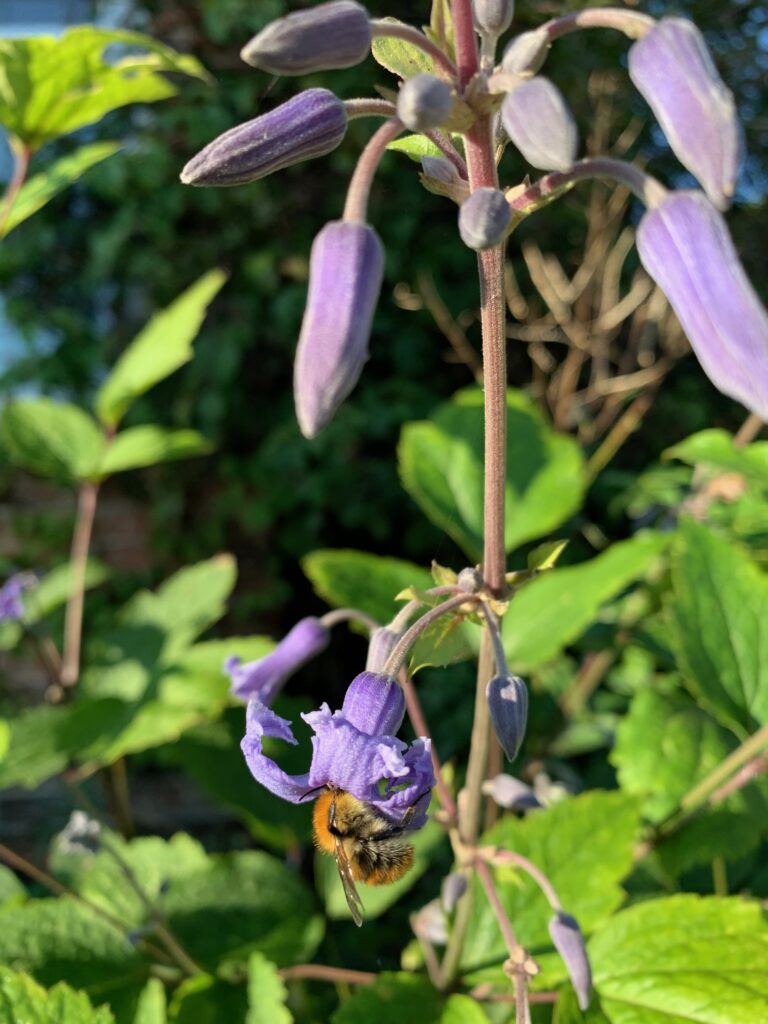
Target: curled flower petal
[(539, 123), (264, 678), (424, 102), (308, 125), (484, 218), (685, 247), (345, 273), (569, 942), (261, 722), (673, 69), (328, 36), (374, 704), (508, 704)]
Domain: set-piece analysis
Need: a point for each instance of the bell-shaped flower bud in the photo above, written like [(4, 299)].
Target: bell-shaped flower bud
[(470, 580), (453, 888), (685, 247), (383, 641), (484, 218), (569, 943), (440, 169), (346, 267), (526, 53), (492, 17), (674, 71), (374, 704), (310, 124), (511, 793), (508, 704), (333, 35), (424, 102), (264, 678), (430, 925), (537, 120)]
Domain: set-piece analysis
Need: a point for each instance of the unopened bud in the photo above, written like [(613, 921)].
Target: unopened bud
[(383, 641), (309, 125), (526, 53), (333, 35), (453, 888), (471, 580), (484, 218), (508, 704), (441, 169), (492, 17), (569, 943), (539, 123), (424, 102), (429, 923), (510, 793)]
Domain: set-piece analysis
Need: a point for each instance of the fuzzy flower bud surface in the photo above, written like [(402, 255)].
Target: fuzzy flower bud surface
[(484, 218), (492, 17), (569, 942), (526, 53), (424, 102), (537, 120), (508, 703)]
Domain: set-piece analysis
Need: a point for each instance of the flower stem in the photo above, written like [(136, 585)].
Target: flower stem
[(631, 23), (73, 617), (467, 57), (647, 189), (420, 727), (409, 34), (411, 635), (356, 205), (323, 972), (339, 615), (20, 169)]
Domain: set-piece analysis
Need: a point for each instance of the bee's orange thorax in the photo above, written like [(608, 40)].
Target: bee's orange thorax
[(323, 838)]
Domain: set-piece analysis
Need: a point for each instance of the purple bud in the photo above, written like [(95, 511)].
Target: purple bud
[(345, 272), (673, 69), (569, 943), (263, 679), (685, 247), (441, 169), (11, 605), (526, 53), (511, 793), (508, 704), (374, 704), (429, 923), (306, 126), (492, 17), (333, 35), (484, 218), (383, 641), (539, 123), (453, 888), (424, 102)]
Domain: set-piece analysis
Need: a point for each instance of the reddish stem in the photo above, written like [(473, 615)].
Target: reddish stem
[(467, 58), (14, 185)]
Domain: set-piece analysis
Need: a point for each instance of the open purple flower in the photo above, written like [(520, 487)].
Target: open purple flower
[(11, 606), (353, 749), (264, 678), (685, 247)]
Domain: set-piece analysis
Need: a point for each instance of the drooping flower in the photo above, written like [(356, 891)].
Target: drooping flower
[(508, 704), (346, 267), (331, 35), (569, 942), (306, 126), (353, 749), (11, 605), (264, 678), (537, 120), (424, 102), (674, 71), (484, 218), (686, 248)]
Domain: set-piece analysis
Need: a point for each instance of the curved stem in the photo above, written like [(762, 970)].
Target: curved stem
[(356, 205), (383, 108), (403, 617), (338, 615), (509, 857), (420, 727), (647, 188), (409, 638), (323, 972), (399, 30), (14, 185), (73, 616), (631, 23)]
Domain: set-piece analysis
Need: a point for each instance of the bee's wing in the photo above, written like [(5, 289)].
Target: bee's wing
[(348, 884)]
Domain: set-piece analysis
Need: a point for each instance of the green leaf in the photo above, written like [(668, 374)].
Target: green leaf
[(53, 86), (404, 998), (35, 750), (553, 610), (53, 439), (151, 1007), (716, 448), (585, 848), (163, 346), (441, 466), (266, 993), (5, 738), (40, 189), (356, 579), (400, 57), (546, 556), (567, 1010), (719, 626), (415, 147), (23, 1001), (683, 959), (11, 888), (463, 1010), (150, 445), (207, 1000)]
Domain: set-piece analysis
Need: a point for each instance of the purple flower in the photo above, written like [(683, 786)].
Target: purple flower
[(569, 943), (672, 68), (685, 247), (353, 749), (11, 606), (306, 126), (537, 120), (332, 35), (484, 218), (264, 678), (345, 273), (508, 704)]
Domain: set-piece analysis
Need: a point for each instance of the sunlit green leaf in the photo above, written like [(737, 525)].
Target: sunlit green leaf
[(400, 57), (53, 439), (150, 445), (266, 993), (23, 1001)]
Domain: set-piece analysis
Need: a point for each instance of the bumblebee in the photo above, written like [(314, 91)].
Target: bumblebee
[(367, 846)]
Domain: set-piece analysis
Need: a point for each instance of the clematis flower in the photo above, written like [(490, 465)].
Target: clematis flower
[(11, 606), (685, 247), (537, 120), (346, 267), (353, 749), (674, 71), (264, 678)]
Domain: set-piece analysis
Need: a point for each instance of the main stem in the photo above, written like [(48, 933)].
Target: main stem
[(73, 617)]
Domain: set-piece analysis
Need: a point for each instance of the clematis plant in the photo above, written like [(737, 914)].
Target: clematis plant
[(470, 105)]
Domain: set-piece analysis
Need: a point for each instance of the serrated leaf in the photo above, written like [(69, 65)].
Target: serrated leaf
[(40, 189), (163, 346), (52, 439), (585, 848), (441, 467), (681, 959), (53, 86), (716, 448), (399, 57), (266, 993), (552, 611), (23, 1001), (151, 1008), (149, 446), (719, 625), (404, 998)]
